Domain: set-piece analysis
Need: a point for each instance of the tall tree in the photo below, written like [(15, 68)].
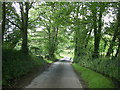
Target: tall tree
[(96, 43), (3, 18), (97, 11), (21, 22), (118, 28), (24, 25), (116, 33)]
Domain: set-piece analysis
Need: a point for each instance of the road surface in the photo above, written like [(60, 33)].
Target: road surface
[(58, 75)]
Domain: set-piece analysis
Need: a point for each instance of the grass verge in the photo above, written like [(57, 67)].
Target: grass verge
[(93, 79)]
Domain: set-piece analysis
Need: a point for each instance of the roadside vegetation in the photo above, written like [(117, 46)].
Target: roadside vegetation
[(34, 34), (92, 78), (16, 64)]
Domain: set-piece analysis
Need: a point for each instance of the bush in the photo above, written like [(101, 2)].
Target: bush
[(93, 79), (107, 66), (16, 64)]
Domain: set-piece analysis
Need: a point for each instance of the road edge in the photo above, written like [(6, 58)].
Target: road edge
[(83, 82)]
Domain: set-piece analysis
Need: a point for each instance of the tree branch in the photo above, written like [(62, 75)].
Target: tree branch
[(30, 6), (14, 24)]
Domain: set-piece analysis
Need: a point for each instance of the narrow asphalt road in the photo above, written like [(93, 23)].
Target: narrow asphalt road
[(58, 75)]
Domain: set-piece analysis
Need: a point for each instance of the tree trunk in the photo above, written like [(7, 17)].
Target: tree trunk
[(24, 41), (110, 50), (88, 37), (97, 32), (76, 47), (52, 42), (3, 19), (96, 43), (77, 38), (118, 17), (118, 50), (24, 17)]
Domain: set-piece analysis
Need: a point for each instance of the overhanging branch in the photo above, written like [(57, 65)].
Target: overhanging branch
[(14, 24)]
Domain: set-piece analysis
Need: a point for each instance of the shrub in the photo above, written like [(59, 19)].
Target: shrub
[(16, 64), (105, 65)]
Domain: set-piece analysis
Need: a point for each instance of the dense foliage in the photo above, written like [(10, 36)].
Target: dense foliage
[(16, 64), (88, 32)]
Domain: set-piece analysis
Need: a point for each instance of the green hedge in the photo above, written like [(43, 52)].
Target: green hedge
[(15, 64), (107, 66)]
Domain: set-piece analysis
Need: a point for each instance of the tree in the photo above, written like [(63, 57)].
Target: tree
[(25, 7), (116, 33), (97, 11), (22, 22), (3, 18), (118, 28)]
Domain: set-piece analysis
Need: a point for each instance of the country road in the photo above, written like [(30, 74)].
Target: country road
[(58, 75)]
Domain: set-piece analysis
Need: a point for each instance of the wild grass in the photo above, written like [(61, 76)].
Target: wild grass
[(93, 79), (104, 65)]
